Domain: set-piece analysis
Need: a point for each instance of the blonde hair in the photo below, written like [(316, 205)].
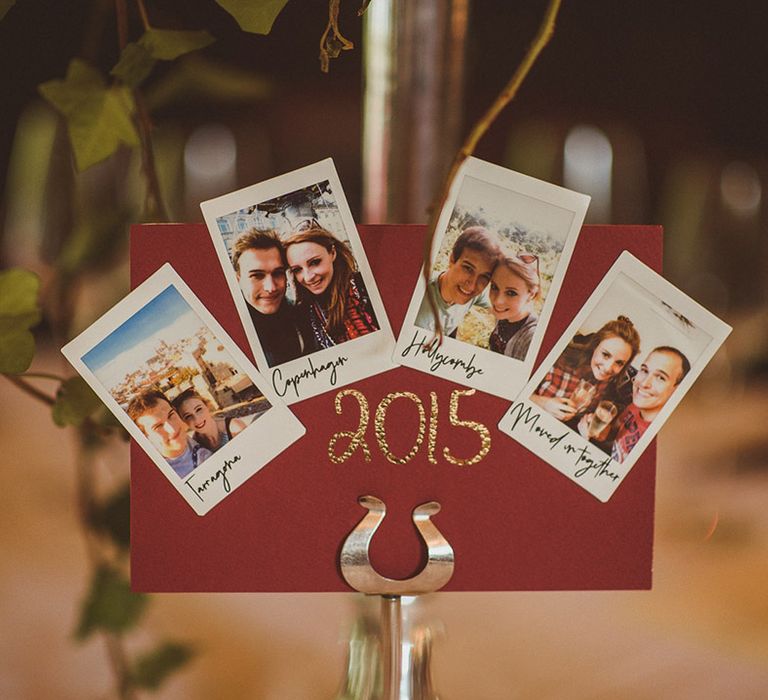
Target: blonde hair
[(188, 394), (526, 271)]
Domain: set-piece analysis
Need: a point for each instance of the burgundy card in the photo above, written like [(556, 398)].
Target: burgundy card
[(513, 521)]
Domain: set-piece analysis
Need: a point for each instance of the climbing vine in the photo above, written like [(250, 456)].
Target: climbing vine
[(103, 114)]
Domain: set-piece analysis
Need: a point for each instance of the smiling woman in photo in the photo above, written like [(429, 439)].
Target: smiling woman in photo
[(515, 286), (211, 432), (329, 287), (598, 359)]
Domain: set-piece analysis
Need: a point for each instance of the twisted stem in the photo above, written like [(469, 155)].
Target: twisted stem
[(30, 390), (333, 26), (541, 39), (154, 206)]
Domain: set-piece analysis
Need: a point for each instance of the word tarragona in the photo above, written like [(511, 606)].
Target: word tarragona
[(218, 475)]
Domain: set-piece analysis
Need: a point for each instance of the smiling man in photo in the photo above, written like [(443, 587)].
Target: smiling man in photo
[(261, 270), (160, 422), (653, 385), (461, 286)]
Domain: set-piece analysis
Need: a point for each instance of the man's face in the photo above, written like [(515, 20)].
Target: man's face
[(656, 381), (466, 277), (261, 278), (164, 428)]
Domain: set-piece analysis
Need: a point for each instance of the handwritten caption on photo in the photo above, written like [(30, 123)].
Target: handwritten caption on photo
[(586, 459)]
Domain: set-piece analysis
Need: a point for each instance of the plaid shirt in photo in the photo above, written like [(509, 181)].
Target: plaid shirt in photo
[(562, 383)]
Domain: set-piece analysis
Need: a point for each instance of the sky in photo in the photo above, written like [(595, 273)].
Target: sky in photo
[(506, 207), (167, 317)]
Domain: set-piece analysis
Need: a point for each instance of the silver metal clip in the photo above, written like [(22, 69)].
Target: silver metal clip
[(356, 565)]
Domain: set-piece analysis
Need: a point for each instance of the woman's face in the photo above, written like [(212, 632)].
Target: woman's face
[(510, 297), (312, 265), (196, 415), (610, 357)]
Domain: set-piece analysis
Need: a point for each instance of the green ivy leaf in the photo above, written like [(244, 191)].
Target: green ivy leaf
[(112, 517), (98, 117), (18, 297), (75, 401), (195, 78), (168, 44), (17, 348), (152, 668), (135, 64), (19, 311), (104, 418), (256, 16), (6, 5), (110, 604), (139, 58)]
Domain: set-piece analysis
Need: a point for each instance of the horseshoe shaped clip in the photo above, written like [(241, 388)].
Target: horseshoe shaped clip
[(356, 565)]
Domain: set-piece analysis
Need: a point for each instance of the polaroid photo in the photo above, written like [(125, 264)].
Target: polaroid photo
[(504, 241), (183, 390), (301, 282), (614, 377)]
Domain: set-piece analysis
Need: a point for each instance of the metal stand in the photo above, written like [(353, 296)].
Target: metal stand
[(392, 644), (359, 573)]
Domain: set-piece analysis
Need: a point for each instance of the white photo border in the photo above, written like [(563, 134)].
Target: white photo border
[(330, 368), (462, 362), (260, 442), (584, 463)]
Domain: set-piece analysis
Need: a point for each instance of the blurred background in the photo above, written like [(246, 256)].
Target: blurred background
[(658, 111)]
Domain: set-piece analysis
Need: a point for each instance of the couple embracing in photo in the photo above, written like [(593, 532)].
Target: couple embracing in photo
[(332, 305), (594, 388), (185, 430), (477, 262)]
